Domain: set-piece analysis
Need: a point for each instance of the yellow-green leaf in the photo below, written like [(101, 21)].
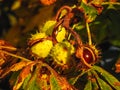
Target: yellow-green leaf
[(34, 81), (88, 86), (54, 84), (90, 12), (26, 81), (95, 85), (108, 77)]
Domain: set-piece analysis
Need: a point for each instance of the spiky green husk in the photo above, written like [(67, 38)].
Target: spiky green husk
[(61, 34), (61, 53), (38, 35), (42, 49), (48, 27)]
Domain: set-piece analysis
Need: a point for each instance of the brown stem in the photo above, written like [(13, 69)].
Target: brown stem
[(69, 9), (8, 48), (54, 33), (76, 36), (14, 55), (59, 21)]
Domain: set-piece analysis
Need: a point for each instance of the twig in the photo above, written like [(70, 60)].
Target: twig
[(14, 55), (107, 3), (89, 34), (8, 47)]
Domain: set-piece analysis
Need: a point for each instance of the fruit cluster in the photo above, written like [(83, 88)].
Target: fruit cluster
[(61, 43)]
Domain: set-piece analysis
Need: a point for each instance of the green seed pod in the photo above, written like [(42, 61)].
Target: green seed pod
[(38, 36), (42, 49), (40, 45), (61, 53), (61, 34), (48, 27)]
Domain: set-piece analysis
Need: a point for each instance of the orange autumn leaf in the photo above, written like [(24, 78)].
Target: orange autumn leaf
[(23, 74), (20, 65), (117, 66), (47, 2), (15, 67)]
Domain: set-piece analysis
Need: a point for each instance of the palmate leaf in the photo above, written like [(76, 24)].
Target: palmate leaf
[(43, 77), (108, 77), (98, 78)]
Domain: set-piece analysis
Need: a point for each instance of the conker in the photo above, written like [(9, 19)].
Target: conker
[(88, 56)]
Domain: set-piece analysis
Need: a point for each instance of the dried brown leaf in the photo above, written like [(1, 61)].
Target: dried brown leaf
[(6, 47)]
